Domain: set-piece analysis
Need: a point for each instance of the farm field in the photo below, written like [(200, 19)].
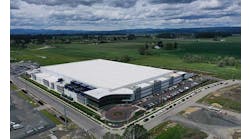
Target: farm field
[(208, 49)]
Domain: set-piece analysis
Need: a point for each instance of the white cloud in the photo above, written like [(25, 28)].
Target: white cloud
[(113, 15)]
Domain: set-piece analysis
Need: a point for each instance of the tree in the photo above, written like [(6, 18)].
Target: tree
[(108, 135), (146, 46), (142, 50), (131, 37), (221, 63), (160, 43), (18, 44), (166, 35), (175, 45), (125, 58), (171, 46), (136, 132)]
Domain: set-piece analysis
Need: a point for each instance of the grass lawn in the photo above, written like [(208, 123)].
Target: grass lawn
[(228, 98), (27, 98), (51, 116), (170, 59), (13, 87), (170, 130)]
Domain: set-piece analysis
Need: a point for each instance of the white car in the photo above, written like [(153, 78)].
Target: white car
[(12, 123), (17, 126)]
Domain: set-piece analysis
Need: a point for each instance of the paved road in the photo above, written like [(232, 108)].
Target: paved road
[(235, 114), (162, 117), (82, 121)]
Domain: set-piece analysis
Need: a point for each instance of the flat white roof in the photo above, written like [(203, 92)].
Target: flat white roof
[(143, 85), (42, 75), (181, 72), (162, 79), (98, 93), (123, 91), (152, 81), (52, 79), (46, 76), (101, 92), (106, 74), (29, 71), (175, 75)]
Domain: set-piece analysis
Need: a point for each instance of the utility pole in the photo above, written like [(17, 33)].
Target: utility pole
[(134, 132), (65, 117), (11, 102), (127, 115)]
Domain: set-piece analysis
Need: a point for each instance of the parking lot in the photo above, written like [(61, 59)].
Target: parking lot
[(25, 120), (21, 67), (170, 93)]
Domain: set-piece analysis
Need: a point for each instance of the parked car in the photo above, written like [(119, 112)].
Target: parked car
[(17, 126), (12, 123)]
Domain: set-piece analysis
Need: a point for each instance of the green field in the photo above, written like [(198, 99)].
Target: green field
[(13, 87), (170, 59), (24, 96), (169, 130), (50, 116)]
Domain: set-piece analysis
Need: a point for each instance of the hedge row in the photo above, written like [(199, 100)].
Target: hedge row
[(75, 104)]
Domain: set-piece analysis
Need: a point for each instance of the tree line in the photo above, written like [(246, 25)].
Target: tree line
[(147, 49), (22, 41), (219, 61), (131, 132), (194, 35)]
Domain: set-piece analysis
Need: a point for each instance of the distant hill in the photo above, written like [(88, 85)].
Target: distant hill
[(233, 30)]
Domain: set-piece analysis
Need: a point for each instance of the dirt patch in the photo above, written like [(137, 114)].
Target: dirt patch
[(232, 92), (237, 134), (217, 94), (72, 132), (119, 113), (171, 124), (45, 47), (205, 116), (226, 98), (190, 110), (216, 105), (43, 57)]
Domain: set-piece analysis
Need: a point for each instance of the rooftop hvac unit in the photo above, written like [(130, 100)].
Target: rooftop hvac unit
[(60, 80)]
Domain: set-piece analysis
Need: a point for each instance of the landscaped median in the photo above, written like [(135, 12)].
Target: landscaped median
[(50, 116), (27, 98), (75, 104), (22, 94)]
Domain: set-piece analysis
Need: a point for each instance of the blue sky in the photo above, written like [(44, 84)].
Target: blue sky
[(123, 14)]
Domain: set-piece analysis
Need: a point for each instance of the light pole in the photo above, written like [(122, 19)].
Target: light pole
[(65, 116)]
